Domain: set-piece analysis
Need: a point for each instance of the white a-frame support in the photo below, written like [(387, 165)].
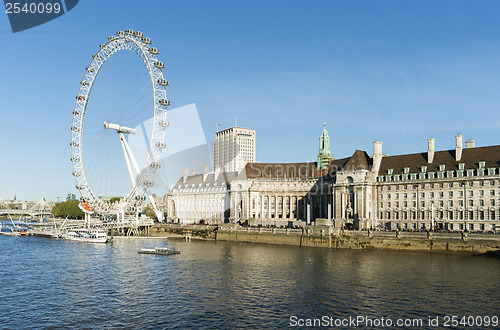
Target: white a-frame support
[(131, 161)]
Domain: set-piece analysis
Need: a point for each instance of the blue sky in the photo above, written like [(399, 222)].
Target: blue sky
[(395, 71)]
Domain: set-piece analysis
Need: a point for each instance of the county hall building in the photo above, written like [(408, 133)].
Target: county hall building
[(454, 189)]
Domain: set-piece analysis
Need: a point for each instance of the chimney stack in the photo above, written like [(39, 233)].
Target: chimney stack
[(186, 174), (216, 173), (377, 156), (470, 144), (458, 148), (205, 173), (430, 150), (193, 172)]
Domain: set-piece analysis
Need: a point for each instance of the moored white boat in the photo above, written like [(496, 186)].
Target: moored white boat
[(86, 235)]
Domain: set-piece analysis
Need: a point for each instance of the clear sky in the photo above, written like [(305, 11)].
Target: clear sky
[(394, 71)]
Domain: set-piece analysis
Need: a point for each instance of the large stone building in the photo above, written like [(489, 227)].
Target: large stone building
[(200, 198), (452, 190)]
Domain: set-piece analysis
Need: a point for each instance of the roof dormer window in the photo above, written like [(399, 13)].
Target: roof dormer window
[(406, 170), (423, 169), (482, 164), (461, 166), (390, 171), (441, 168)]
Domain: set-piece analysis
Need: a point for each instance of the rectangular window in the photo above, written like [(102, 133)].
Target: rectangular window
[(481, 202), (481, 193), (481, 215), (450, 215), (461, 203), (397, 195), (471, 215), (450, 194), (471, 202), (450, 185), (405, 195), (471, 184), (423, 204), (461, 193), (492, 215), (441, 203), (432, 194), (492, 202), (441, 185), (481, 183), (441, 194), (422, 195), (450, 203), (471, 193), (492, 192)]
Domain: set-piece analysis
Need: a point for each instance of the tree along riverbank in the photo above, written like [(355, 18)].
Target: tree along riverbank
[(328, 237)]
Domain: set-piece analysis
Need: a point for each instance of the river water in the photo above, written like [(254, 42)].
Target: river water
[(50, 283)]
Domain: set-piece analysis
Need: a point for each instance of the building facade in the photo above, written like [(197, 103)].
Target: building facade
[(201, 198), (456, 189), (233, 148)]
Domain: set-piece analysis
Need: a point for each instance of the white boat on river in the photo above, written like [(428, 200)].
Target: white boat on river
[(87, 235)]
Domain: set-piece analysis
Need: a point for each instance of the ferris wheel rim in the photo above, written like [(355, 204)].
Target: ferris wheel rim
[(137, 43)]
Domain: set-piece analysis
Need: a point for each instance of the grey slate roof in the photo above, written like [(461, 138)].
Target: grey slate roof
[(471, 157)]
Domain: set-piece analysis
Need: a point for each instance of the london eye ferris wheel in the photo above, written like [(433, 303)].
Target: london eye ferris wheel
[(119, 102)]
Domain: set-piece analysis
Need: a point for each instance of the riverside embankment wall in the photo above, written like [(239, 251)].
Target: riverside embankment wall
[(327, 237)]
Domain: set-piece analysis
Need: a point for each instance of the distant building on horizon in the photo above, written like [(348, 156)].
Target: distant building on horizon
[(234, 147), (71, 197)]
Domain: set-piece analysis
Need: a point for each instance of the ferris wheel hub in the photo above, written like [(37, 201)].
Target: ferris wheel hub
[(118, 128)]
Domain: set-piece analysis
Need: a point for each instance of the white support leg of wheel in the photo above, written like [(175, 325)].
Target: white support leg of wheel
[(127, 150)]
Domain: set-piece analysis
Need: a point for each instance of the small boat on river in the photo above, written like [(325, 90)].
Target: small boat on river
[(160, 250)]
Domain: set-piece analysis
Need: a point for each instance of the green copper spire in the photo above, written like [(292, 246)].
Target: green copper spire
[(324, 154)]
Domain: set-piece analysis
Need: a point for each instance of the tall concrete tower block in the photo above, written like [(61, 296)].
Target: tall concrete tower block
[(234, 147)]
